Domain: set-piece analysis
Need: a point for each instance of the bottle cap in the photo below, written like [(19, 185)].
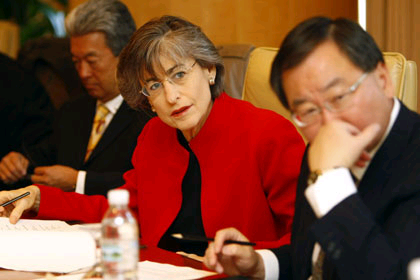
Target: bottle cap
[(118, 196), (414, 269)]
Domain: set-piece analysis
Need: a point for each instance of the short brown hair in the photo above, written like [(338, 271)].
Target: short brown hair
[(173, 37)]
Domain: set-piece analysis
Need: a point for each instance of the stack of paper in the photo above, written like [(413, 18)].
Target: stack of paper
[(54, 246), (35, 245)]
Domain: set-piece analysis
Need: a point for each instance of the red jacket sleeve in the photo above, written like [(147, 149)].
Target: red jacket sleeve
[(280, 158), (71, 206)]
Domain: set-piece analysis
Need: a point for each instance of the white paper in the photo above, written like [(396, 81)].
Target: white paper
[(36, 245), (94, 229), (159, 271), (148, 270), (37, 225)]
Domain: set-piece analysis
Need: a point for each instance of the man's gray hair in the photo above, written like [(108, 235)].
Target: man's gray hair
[(111, 17)]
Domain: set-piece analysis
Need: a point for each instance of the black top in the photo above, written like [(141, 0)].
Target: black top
[(188, 220)]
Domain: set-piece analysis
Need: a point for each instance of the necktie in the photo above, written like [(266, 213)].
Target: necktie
[(317, 266), (98, 129)]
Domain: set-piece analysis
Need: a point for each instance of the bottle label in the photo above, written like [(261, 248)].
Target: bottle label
[(120, 255), (111, 253)]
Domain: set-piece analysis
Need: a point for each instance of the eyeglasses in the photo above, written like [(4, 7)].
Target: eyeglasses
[(178, 76), (308, 112)]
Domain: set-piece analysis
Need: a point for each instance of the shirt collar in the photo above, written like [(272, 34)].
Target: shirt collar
[(360, 171), (112, 105)]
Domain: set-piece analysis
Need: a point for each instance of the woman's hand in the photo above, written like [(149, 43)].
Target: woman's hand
[(15, 210), (233, 259)]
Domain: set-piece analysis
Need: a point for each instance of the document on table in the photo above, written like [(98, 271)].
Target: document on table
[(37, 245), (37, 225), (154, 271), (159, 271)]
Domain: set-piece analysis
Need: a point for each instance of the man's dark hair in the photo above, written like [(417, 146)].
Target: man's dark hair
[(350, 38)]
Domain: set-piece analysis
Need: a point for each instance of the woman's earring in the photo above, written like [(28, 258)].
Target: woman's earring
[(153, 108), (211, 81)]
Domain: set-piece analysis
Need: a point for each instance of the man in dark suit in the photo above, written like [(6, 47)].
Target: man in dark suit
[(332, 77), (90, 150), (26, 111)]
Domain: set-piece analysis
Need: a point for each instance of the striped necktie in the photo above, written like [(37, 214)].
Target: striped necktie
[(98, 129), (317, 266)]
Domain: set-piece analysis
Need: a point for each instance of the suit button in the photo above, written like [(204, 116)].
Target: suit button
[(336, 254), (331, 247)]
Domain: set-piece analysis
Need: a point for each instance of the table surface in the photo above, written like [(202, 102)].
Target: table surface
[(149, 253)]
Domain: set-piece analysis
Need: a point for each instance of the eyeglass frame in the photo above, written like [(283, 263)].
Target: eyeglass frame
[(327, 104), (168, 79)]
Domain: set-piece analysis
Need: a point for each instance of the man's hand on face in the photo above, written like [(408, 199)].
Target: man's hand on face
[(59, 176), (13, 167), (340, 144)]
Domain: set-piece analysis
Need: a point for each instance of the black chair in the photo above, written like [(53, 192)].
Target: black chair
[(49, 59)]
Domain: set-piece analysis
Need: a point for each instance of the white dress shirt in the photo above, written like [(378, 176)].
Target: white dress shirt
[(112, 105), (324, 195)]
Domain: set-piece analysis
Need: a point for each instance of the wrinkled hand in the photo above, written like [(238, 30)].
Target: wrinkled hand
[(13, 167), (233, 259), (340, 144), (58, 176), (15, 210)]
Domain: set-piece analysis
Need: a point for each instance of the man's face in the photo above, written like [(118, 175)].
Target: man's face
[(327, 72), (96, 65)]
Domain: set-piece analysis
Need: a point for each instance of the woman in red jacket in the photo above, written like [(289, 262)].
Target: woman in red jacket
[(207, 162)]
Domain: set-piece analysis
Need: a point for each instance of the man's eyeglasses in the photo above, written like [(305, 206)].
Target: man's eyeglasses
[(179, 76), (308, 112)]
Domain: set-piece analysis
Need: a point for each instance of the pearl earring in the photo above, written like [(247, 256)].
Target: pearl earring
[(211, 81)]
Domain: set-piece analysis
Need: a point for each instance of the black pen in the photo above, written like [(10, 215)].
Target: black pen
[(205, 239), (14, 199)]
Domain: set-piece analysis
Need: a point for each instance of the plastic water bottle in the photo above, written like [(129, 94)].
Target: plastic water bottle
[(119, 243), (414, 269)]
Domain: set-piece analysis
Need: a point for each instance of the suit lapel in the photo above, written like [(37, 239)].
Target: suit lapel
[(381, 168), (119, 122)]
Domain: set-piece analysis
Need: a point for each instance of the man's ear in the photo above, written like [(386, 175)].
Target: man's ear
[(384, 79)]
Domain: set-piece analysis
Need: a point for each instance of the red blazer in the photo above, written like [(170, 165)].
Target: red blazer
[(249, 160)]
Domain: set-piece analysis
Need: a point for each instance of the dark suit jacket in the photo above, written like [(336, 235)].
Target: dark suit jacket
[(372, 234), (26, 112), (111, 156)]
